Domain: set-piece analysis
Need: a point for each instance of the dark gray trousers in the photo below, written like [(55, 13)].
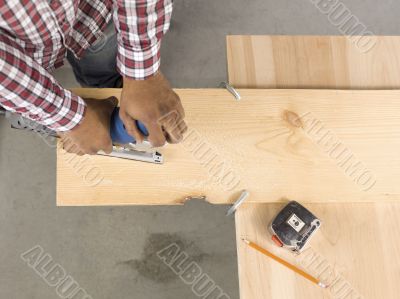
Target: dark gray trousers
[(97, 67)]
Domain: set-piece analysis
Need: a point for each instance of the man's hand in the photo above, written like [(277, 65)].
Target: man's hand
[(93, 133), (157, 106)]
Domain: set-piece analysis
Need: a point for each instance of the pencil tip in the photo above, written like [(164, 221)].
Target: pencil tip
[(246, 241), (322, 285)]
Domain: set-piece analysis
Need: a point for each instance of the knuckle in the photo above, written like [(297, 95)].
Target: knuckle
[(177, 136), (174, 140), (174, 132), (150, 118), (171, 119), (157, 142)]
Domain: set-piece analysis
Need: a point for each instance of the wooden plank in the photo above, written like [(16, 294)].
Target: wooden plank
[(360, 241), (259, 144), (312, 62), (357, 246)]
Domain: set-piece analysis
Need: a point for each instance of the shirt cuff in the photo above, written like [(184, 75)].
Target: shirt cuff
[(138, 65), (69, 115)]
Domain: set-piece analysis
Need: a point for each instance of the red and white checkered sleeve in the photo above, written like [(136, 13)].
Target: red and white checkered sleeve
[(28, 89), (141, 24)]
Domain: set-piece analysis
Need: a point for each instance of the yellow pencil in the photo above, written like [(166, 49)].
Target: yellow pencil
[(285, 263)]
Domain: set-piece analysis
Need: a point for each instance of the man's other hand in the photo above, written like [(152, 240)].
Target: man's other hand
[(157, 106), (93, 133)]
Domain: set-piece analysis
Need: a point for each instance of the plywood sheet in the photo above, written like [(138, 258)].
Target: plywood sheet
[(359, 242), (267, 143)]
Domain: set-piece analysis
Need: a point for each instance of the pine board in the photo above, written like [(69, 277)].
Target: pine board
[(358, 240), (358, 246), (256, 142), (312, 62)]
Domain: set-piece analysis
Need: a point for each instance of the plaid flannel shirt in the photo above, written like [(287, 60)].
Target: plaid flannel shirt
[(34, 38)]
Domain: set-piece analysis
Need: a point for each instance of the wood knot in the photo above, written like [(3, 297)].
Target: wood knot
[(292, 118)]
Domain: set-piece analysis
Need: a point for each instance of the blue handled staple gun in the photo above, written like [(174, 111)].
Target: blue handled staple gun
[(125, 146)]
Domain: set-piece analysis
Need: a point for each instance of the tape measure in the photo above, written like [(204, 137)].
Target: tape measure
[(294, 226)]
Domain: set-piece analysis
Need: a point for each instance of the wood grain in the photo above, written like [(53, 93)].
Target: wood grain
[(358, 240), (357, 246), (257, 143), (312, 62)]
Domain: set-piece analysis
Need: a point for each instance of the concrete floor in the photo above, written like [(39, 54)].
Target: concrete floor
[(110, 251)]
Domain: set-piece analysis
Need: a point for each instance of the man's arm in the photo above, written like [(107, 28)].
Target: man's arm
[(28, 89), (146, 94), (141, 24)]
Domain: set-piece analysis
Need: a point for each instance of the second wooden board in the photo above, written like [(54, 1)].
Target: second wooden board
[(356, 253), (312, 62), (357, 250), (309, 145)]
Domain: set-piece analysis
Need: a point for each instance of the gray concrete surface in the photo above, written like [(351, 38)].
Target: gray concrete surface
[(109, 251)]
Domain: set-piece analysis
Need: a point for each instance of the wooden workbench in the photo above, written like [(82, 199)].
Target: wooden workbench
[(359, 242)]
